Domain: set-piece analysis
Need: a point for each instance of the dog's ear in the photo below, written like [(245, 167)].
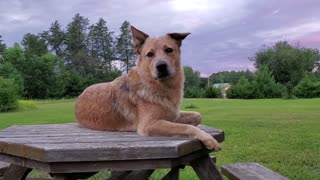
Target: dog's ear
[(138, 38), (178, 37)]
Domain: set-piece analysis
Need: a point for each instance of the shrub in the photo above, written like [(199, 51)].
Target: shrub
[(264, 85), (192, 92), (308, 87), (8, 95), (211, 92), (241, 90)]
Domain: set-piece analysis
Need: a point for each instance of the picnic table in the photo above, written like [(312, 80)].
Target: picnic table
[(66, 151)]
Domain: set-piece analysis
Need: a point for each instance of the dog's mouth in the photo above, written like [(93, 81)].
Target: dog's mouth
[(162, 76)]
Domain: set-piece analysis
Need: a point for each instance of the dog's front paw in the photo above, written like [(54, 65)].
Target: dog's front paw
[(209, 141)]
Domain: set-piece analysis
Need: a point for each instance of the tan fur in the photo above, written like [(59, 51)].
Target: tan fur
[(137, 101)]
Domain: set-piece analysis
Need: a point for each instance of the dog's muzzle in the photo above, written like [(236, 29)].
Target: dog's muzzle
[(162, 70)]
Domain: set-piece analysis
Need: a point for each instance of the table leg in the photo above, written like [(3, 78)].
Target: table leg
[(128, 175), (206, 169), (72, 176), (172, 175), (16, 172)]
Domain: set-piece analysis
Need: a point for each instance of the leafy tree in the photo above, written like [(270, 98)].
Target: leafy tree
[(16, 56), (125, 51), (34, 45), (211, 92), (2, 46), (264, 85), (56, 39), (287, 63), (231, 77), (192, 82), (241, 90), (8, 71), (8, 94), (308, 87)]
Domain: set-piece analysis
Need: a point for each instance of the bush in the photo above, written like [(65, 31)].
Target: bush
[(264, 85), (241, 90), (8, 71), (192, 92), (211, 92), (8, 95), (308, 87)]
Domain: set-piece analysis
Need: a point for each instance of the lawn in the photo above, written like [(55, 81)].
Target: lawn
[(283, 135)]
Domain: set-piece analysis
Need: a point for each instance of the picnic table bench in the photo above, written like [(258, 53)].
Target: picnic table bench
[(66, 151)]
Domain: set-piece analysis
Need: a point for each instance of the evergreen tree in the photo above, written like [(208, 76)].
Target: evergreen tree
[(101, 45), (56, 39), (76, 46), (2, 46), (125, 51), (264, 85)]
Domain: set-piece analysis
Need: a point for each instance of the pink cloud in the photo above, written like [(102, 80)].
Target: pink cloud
[(311, 39)]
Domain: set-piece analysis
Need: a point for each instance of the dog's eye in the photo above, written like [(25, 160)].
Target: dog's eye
[(168, 50), (150, 54)]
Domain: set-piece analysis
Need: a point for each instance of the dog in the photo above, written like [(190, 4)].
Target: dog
[(147, 98)]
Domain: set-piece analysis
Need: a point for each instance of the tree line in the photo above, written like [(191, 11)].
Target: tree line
[(282, 70), (61, 61)]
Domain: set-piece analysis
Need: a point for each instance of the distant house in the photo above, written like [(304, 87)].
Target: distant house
[(223, 86)]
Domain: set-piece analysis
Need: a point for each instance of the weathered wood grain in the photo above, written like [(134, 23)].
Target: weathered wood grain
[(70, 143), (206, 169), (15, 172), (3, 167), (252, 171)]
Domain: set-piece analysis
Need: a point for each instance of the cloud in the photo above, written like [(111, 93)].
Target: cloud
[(290, 33), (224, 33)]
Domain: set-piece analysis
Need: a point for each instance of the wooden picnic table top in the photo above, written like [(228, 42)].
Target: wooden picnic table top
[(71, 143)]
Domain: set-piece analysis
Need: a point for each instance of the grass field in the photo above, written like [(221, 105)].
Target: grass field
[(283, 135)]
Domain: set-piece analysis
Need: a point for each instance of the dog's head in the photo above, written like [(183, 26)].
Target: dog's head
[(159, 57)]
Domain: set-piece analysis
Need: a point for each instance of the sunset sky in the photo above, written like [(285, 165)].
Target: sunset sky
[(224, 33)]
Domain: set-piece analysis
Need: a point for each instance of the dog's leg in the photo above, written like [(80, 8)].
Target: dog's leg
[(167, 128), (193, 118)]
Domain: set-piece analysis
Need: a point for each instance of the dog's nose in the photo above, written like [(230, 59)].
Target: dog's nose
[(161, 66)]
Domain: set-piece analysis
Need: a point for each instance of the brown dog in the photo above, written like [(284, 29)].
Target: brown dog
[(147, 99)]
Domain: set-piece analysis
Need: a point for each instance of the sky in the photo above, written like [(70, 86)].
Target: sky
[(224, 33)]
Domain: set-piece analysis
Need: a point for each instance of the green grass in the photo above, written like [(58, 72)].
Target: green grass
[(283, 135)]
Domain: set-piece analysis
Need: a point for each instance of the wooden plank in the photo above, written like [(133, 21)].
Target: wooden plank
[(25, 162), (93, 146), (3, 167), (252, 171), (141, 175), (206, 169), (16, 172), (117, 175), (124, 165)]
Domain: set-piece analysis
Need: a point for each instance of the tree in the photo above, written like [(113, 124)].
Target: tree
[(8, 95), (231, 77), (241, 90), (8, 71), (34, 45), (125, 51), (2, 46), (56, 39), (308, 87), (191, 83), (264, 85), (101, 45), (287, 63), (76, 47)]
